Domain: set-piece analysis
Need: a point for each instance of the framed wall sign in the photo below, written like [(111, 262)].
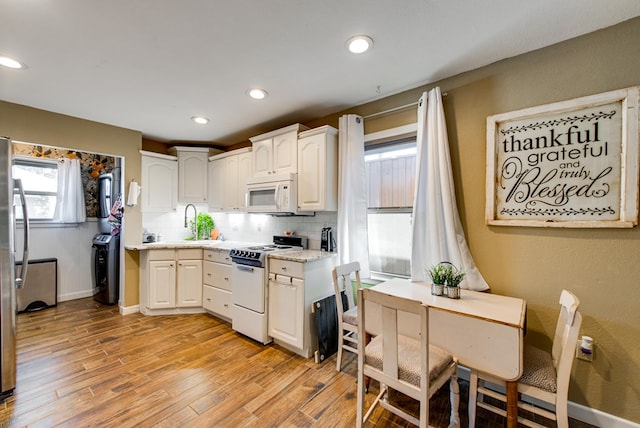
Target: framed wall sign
[(567, 164)]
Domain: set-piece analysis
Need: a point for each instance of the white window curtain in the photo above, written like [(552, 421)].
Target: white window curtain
[(70, 205), (353, 242), (437, 231)]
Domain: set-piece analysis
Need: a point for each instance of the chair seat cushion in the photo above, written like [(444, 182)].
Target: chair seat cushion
[(409, 359), (351, 316), (538, 369)]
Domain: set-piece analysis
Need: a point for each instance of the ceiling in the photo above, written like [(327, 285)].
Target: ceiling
[(150, 65)]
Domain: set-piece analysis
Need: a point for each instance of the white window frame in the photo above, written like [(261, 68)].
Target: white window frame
[(40, 163), (389, 135)]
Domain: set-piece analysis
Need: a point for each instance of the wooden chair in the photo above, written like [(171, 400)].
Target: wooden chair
[(545, 376), (347, 317), (410, 366)]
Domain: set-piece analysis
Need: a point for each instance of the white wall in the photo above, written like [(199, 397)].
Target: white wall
[(253, 228), (71, 245)]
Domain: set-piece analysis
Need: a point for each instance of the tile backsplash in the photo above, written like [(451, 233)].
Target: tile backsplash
[(254, 228)]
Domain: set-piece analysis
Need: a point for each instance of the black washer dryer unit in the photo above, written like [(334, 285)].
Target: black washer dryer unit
[(106, 268)]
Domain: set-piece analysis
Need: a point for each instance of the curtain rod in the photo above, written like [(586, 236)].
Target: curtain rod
[(391, 110)]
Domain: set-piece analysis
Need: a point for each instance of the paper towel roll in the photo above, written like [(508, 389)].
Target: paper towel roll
[(134, 192)]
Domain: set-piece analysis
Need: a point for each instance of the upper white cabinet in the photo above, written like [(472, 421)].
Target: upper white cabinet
[(192, 173), (238, 169), (227, 182), (276, 152), (317, 169), (215, 188), (159, 182)]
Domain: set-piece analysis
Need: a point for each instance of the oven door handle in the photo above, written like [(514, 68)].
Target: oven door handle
[(245, 268)]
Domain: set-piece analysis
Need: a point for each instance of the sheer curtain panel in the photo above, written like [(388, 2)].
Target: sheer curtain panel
[(353, 242), (437, 231), (70, 205)]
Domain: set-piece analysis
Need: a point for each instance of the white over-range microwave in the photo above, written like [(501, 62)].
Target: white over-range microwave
[(276, 193)]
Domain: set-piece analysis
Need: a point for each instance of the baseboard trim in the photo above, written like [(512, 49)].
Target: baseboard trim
[(597, 417), (580, 412), (128, 310), (74, 296)]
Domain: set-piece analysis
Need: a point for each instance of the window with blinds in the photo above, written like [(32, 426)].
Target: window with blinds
[(390, 170)]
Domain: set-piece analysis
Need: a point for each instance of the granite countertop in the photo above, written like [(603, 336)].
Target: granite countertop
[(302, 255), (203, 244)]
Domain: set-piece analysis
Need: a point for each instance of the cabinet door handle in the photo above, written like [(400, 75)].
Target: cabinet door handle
[(209, 299), (226, 305), (170, 264), (226, 278), (209, 275), (283, 268)]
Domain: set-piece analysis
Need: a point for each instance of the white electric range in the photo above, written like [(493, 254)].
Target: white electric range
[(249, 285)]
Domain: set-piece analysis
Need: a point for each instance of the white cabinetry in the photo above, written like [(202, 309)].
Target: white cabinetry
[(286, 309), (293, 287), (215, 188), (276, 152), (192, 174), (227, 180), (162, 294), (159, 182), (189, 283), (171, 281), (216, 278), (317, 169)]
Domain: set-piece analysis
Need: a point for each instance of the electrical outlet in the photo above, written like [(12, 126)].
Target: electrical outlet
[(581, 355)]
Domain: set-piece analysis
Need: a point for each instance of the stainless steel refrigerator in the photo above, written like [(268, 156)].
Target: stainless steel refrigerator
[(8, 280)]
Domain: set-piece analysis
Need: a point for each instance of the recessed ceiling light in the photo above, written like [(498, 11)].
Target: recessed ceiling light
[(257, 94), (200, 120), (359, 44), (10, 63)]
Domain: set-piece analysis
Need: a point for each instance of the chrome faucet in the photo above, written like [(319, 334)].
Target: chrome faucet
[(194, 231)]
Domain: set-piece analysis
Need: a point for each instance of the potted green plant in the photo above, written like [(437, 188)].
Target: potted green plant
[(205, 223), (452, 289), (438, 274), (445, 279)]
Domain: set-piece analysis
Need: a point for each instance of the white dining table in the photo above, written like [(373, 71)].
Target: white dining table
[(483, 331)]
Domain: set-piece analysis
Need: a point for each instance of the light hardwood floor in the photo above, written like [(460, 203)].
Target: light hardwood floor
[(82, 364)]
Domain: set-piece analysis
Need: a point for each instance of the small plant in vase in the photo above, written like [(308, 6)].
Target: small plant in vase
[(456, 276), (445, 279), (438, 275)]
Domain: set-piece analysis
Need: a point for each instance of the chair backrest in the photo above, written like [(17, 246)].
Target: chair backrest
[(565, 340), (342, 281), (389, 307), (568, 306)]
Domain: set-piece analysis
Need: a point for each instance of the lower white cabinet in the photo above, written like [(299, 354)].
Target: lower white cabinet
[(293, 287), (171, 281), (286, 309), (189, 283), (216, 279), (162, 284)]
